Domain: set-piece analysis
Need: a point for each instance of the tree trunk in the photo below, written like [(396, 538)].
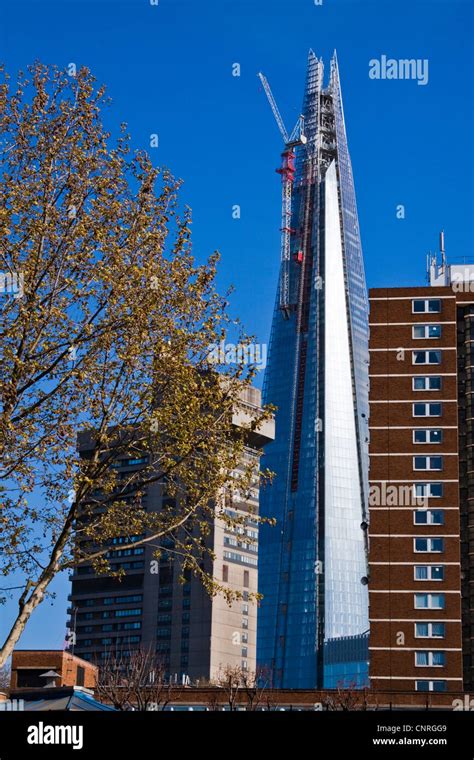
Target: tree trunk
[(37, 595)]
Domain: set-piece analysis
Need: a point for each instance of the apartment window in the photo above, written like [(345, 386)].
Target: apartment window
[(128, 599), (244, 652), (436, 659), (127, 539), (106, 641), (428, 490), (426, 331), (244, 665), (243, 558), (429, 573), (429, 601), (427, 463), (430, 435), (107, 628), (245, 609), (186, 604), (163, 633), (185, 632), (128, 613), (86, 643), (427, 410), (428, 383), (246, 578), (86, 629), (429, 630), (80, 675), (130, 462), (428, 544), (245, 638), (185, 617), (164, 604), (184, 661), (426, 357), (430, 686), (119, 553), (131, 626), (428, 517), (426, 305), (225, 573), (129, 566), (122, 599), (245, 623)]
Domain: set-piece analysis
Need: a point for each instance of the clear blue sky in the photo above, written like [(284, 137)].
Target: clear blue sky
[(168, 69)]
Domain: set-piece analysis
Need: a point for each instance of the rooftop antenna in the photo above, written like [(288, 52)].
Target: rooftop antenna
[(442, 250)]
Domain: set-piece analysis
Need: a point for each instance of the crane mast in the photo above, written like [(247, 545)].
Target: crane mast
[(287, 172)]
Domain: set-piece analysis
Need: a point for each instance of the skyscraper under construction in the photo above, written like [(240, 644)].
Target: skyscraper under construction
[(313, 620)]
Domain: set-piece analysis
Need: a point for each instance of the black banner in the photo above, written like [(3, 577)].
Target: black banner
[(243, 734)]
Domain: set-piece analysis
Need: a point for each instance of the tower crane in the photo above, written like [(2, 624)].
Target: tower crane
[(287, 172)]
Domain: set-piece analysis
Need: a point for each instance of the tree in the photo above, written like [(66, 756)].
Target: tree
[(257, 688), (229, 679), (5, 677), (248, 689), (135, 682), (105, 327), (347, 697)]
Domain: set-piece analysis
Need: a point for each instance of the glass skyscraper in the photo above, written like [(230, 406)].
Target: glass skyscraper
[(313, 619)]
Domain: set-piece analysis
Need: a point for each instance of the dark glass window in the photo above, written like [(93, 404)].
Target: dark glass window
[(128, 613)]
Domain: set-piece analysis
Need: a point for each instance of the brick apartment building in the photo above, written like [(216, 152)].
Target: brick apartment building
[(422, 484)]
